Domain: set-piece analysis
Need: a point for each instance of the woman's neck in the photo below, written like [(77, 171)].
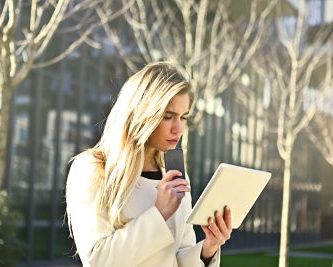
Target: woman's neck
[(150, 162)]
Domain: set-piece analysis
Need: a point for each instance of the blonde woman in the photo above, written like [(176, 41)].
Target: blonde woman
[(123, 209)]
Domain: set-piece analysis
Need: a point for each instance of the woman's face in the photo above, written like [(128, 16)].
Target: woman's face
[(171, 128)]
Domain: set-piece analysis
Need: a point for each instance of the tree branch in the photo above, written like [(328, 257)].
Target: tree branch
[(3, 13)]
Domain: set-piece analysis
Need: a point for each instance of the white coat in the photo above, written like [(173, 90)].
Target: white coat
[(146, 241)]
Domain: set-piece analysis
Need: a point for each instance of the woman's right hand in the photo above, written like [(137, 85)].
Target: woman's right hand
[(170, 193)]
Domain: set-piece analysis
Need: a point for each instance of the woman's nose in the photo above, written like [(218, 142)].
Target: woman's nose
[(177, 126)]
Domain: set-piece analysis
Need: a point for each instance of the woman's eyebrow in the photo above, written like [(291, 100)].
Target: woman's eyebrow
[(175, 113)]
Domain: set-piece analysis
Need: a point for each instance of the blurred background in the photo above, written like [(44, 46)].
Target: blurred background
[(262, 75)]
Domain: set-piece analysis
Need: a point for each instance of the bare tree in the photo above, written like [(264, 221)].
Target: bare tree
[(27, 28), (320, 132), (206, 39), (289, 64)]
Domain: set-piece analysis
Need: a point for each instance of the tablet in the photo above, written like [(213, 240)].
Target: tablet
[(234, 186)]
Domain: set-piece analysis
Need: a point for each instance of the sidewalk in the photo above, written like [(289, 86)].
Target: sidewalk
[(274, 251), (318, 255)]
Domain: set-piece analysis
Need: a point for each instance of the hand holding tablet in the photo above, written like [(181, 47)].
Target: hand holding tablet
[(232, 186)]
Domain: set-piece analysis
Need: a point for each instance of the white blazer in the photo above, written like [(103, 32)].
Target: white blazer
[(146, 241)]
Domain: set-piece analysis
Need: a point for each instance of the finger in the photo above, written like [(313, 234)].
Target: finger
[(179, 192), (221, 223), (180, 195), (222, 226), (178, 182), (170, 175), (182, 188), (214, 229), (227, 217), (207, 232)]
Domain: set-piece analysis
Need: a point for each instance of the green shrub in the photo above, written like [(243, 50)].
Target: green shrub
[(9, 244)]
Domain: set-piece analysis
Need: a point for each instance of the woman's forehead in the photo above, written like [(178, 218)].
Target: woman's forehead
[(179, 104)]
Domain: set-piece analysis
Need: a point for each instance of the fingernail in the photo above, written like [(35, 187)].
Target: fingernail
[(227, 208), (210, 220), (218, 213)]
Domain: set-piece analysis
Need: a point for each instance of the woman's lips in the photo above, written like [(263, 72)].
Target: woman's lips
[(173, 141)]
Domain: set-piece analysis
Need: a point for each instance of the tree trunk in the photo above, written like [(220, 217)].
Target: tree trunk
[(185, 146), (6, 93), (284, 239)]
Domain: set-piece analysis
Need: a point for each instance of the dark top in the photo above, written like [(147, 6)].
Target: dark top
[(154, 175)]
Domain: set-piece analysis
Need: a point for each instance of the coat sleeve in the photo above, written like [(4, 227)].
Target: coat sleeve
[(96, 241), (189, 252)]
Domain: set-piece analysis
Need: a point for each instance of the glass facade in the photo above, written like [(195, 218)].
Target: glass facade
[(57, 112)]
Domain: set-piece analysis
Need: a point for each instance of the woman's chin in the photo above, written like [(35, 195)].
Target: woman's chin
[(169, 147), (172, 147)]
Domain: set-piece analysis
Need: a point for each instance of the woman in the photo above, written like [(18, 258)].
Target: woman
[(123, 209)]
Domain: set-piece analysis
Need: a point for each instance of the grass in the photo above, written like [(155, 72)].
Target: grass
[(262, 259), (248, 260)]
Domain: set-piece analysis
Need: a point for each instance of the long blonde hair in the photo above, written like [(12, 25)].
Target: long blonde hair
[(137, 112)]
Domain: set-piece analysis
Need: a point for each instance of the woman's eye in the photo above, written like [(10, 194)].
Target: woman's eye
[(184, 118), (167, 117)]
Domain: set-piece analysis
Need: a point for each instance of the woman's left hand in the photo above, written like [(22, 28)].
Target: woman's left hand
[(217, 232)]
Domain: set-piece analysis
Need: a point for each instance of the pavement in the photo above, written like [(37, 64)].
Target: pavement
[(312, 255), (273, 251)]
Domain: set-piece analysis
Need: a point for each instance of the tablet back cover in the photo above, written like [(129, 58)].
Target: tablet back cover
[(234, 186)]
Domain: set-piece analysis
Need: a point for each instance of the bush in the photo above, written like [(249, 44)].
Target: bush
[(9, 244)]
